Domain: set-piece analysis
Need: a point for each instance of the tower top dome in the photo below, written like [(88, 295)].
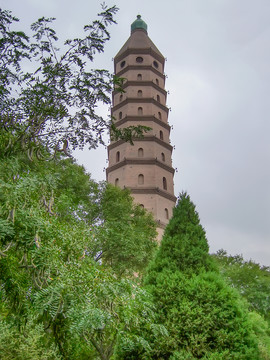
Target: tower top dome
[(139, 42), (138, 24)]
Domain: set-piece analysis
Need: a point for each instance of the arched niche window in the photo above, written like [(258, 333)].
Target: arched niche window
[(161, 135), (141, 205), (120, 115), (121, 97), (158, 98), (140, 110), (159, 115), (164, 183), (139, 93), (140, 152), (116, 182), (162, 156), (166, 213), (141, 179), (139, 77), (157, 81), (118, 156)]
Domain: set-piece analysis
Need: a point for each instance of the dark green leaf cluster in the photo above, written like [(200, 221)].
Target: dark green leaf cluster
[(205, 318), (128, 133), (69, 248), (184, 246)]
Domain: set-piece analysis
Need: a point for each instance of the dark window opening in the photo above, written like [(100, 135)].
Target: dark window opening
[(164, 183), (161, 135), (139, 59), (123, 63), (162, 156), (118, 156), (155, 64), (141, 179)]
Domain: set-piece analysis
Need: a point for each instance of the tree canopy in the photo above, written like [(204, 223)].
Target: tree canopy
[(69, 247), (67, 259), (54, 104), (205, 318), (251, 280)]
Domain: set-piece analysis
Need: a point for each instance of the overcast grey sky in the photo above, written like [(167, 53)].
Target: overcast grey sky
[(218, 58)]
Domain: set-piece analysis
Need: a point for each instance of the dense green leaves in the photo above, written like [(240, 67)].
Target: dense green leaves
[(28, 344), (69, 250), (251, 279), (69, 247), (184, 246), (127, 233), (66, 243), (204, 317)]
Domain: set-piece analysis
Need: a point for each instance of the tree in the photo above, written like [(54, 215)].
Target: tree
[(125, 232), (109, 321), (249, 278), (62, 260), (29, 344), (55, 104), (204, 317), (53, 279)]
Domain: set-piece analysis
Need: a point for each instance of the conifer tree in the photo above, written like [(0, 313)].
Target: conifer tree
[(205, 318)]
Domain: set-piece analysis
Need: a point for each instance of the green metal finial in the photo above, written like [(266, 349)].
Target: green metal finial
[(138, 24)]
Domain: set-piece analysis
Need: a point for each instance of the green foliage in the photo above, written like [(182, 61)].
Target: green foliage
[(184, 246), (54, 104), (204, 317), (129, 132), (127, 234), (29, 343), (249, 278), (111, 316), (56, 224), (69, 247), (262, 330)]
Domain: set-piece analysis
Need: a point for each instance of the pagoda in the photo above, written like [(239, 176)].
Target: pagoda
[(145, 167)]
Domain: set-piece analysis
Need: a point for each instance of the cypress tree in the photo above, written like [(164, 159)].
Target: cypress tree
[(205, 318)]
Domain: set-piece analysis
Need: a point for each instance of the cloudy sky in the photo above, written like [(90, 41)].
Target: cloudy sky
[(218, 57)]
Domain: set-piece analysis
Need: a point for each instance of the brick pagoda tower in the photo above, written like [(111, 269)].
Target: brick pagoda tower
[(146, 167)]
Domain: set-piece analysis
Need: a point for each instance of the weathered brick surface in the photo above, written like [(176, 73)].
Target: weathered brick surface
[(145, 167)]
